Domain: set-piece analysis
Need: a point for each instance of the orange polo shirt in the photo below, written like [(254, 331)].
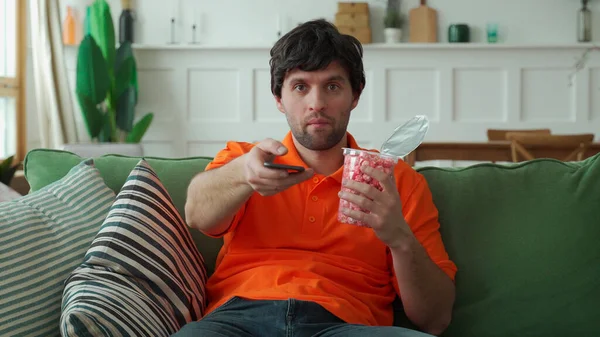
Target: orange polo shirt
[(291, 245)]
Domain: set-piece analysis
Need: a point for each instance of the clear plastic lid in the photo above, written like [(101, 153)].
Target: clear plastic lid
[(407, 137)]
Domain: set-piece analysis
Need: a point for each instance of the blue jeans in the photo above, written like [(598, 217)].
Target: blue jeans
[(240, 317)]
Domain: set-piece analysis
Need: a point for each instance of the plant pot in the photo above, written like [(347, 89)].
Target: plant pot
[(90, 150), (392, 35)]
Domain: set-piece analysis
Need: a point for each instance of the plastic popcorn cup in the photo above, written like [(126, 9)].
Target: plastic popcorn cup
[(353, 160)]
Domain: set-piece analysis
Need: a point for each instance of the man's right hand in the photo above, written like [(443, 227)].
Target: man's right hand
[(268, 181)]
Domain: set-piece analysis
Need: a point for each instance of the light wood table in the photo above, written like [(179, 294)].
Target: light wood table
[(496, 151)]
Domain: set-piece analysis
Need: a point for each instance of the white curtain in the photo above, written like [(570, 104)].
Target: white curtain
[(54, 106)]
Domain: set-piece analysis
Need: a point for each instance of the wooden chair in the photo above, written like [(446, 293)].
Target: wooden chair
[(500, 134), (574, 145)]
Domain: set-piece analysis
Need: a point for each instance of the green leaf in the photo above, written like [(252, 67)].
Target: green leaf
[(126, 109), (103, 31), (105, 135), (125, 72), (92, 79), (6, 163), (7, 175), (139, 129), (92, 116), (86, 23), (134, 80), (7, 171)]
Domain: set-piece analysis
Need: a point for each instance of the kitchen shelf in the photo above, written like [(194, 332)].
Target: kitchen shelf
[(379, 46), (375, 46)]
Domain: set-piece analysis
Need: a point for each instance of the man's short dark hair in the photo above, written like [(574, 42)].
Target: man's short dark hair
[(313, 45)]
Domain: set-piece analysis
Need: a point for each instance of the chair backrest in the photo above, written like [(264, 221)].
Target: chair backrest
[(577, 143), (500, 134)]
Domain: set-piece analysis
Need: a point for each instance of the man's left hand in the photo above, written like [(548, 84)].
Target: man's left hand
[(383, 209)]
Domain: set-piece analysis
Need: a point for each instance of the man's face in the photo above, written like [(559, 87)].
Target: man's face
[(317, 105)]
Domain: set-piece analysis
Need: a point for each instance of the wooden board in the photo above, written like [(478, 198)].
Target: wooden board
[(357, 20), (361, 34), (423, 24), (353, 7)]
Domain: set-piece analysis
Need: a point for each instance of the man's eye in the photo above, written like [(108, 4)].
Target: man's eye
[(333, 87), (299, 87)]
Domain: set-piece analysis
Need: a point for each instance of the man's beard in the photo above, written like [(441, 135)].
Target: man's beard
[(313, 141)]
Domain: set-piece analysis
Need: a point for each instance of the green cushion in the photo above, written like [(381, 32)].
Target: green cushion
[(43, 166), (526, 240), (43, 237)]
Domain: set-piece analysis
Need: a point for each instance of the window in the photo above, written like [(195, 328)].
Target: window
[(12, 76)]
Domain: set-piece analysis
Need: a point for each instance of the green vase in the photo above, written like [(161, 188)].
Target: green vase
[(459, 33)]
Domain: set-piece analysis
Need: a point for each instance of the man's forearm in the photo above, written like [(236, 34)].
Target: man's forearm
[(215, 196), (427, 292)]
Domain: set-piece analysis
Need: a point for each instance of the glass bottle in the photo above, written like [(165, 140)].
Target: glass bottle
[(126, 22), (69, 27), (584, 23)]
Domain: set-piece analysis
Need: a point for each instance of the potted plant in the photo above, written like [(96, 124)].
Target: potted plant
[(7, 170), (107, 88), (392, 25)]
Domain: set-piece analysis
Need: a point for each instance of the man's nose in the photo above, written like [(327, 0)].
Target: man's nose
[(317, 101)]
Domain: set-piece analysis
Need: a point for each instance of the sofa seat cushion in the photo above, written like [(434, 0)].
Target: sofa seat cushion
[(43, 236), (526, 240), (142, 275)]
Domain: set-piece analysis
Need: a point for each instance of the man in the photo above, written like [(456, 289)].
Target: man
[(288, 266)]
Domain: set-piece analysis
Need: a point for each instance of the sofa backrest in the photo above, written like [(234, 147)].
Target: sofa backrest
[(526, 241), (44, 166)]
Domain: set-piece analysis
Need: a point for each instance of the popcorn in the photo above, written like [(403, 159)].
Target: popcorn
[(353, 160)]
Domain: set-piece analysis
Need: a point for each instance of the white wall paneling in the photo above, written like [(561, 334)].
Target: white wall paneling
[(204, 96), (471, 97)]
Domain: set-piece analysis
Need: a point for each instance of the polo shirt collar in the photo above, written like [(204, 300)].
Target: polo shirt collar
[(292, 157)]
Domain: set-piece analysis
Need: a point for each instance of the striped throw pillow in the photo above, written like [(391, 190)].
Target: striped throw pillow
[(43, 237), (143, 275)]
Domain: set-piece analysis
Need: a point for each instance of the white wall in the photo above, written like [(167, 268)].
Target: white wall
[(245, 22), (522, 82)]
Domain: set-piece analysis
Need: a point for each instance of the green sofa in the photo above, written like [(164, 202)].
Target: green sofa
[(525, 237)]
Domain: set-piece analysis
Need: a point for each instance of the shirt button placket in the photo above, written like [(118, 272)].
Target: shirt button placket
[(312, 208)]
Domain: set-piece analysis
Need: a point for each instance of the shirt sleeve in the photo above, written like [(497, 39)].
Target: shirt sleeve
[(422, 216), (231, 151)]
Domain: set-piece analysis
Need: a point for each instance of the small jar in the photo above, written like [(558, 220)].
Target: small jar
[(459, 33)]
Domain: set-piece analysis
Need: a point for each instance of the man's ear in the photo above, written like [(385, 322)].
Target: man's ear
[(356, 96), (279, 104)]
